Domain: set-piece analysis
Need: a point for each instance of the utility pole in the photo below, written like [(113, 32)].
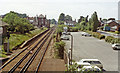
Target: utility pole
[(71, 47), (8, 36)]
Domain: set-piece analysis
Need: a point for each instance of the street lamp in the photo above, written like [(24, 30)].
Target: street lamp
[(71, 48)]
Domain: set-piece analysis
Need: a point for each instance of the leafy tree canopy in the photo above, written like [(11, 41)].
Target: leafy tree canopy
[(16, 23)]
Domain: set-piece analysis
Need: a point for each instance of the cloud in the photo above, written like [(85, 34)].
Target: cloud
[(52, 8)]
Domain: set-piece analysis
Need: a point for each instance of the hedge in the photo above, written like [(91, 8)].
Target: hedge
[(97, 35), (108, 39), (60, 47), (112, 40), (73, 29)]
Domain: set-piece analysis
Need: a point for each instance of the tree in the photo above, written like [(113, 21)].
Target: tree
[(61, 18), (9, 18), (86, 19), (94, 22), (82, 25), (81, 19), (16, 23), (53, 21), (68, 18)]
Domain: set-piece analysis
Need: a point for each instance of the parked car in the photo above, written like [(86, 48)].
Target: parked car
[(86, 34), (93, 62), (64, 37), (116, 46), (66, 33), (80, 65), (90, 68)]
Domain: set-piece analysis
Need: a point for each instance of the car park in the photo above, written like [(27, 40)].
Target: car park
[(93, 62), (116, 46), (86, 34)]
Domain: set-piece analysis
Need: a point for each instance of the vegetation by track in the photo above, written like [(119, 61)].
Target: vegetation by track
[(17, 39)]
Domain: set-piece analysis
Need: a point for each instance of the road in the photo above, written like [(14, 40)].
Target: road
[(90, 47)]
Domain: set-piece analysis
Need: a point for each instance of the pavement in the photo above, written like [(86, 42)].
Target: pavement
[(93, 48), (49, 64), (1, 30), (109, 34)]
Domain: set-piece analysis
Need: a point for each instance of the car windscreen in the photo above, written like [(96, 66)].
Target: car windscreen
[(95, 62), (118, 45)]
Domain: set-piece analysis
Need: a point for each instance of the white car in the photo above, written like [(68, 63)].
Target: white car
[(86, 34), (81, 65), (66, 33), (90, 68), (64, 37), (116, 46), (93, 62)]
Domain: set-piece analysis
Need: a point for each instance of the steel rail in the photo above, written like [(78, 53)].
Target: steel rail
[(24, 69), (19, 53), (18, 63)]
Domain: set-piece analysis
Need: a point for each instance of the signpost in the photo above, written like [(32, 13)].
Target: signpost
[(65, 29)]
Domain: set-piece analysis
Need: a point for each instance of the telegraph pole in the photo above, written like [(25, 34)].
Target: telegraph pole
[(8, 36), (71, 47)]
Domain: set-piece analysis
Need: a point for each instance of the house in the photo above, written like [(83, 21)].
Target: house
[(31, 19), (39, 21), (70, 23), (111, 25)]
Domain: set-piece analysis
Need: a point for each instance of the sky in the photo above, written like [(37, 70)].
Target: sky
[(53, 8)]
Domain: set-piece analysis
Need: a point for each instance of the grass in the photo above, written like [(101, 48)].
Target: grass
[(17, 39)]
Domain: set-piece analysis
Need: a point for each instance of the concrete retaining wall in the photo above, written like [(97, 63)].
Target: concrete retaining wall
[(31, 39)]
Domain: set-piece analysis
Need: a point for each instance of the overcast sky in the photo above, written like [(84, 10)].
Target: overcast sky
[(52, 8)]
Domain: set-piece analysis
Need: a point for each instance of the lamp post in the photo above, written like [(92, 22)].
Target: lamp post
[(71, 47)]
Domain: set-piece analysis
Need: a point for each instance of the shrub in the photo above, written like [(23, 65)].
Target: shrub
[(60, 29), (73, 29), (111, 39), (60, 47), (72, 67), (96, 34), (117, 32), (101, 37)]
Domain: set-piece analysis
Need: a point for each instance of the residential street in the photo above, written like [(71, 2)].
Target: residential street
[(90, 47)]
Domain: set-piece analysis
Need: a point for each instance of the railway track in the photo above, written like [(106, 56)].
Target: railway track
[(31, 57)]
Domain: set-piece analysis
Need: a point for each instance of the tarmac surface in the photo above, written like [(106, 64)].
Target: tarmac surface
[(93, 48)]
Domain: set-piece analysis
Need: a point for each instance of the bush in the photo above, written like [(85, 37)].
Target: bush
[(101, 37), (60, 29), (117, 32), (96, 34), (112, 40), (60, 47), (73, 29)]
